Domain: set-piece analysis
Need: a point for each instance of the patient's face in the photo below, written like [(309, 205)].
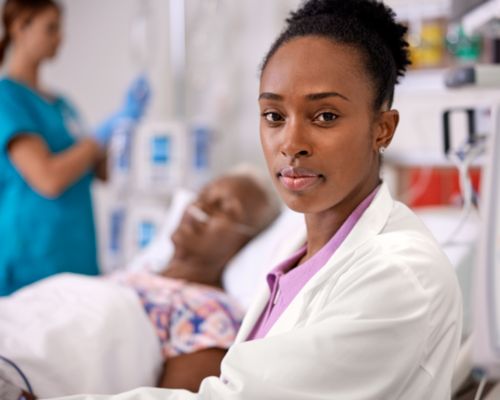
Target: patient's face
[(216, 228)]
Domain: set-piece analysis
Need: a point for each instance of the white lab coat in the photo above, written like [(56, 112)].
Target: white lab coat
[(380, 321)]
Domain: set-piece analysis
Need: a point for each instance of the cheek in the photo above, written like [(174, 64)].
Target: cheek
[(264, 142), (220, 245), (42, 41), (349, 159), (36, 44), (349, 148), (355, 140), (268, 141)]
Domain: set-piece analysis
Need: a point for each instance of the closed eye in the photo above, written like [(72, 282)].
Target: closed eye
[(222, 206)]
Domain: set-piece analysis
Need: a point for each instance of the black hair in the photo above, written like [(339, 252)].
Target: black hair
[(368, 25)]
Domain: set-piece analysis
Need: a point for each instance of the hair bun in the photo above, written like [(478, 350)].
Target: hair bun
[(373, 15), (367, 25)]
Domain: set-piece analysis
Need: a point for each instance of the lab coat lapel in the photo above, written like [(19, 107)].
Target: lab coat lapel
[(370, 224), (253, 314), (290, 244)]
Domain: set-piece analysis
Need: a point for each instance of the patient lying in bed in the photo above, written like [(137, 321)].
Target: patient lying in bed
[(194, 319), (189, 320)]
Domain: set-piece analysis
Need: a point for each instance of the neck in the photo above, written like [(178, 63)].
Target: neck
[(194, 270), (322, 226), (23, 69)]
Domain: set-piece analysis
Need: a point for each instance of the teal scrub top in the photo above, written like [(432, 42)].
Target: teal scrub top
[(40, 236)]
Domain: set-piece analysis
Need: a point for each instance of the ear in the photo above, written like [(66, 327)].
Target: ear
[(18, 26), (386, 126)]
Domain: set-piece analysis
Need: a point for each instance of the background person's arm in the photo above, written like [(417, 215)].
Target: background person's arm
[(186, 371), (101, 168), (47, 173)]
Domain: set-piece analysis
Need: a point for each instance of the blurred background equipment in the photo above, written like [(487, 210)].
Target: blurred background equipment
[(444, 162), (486, 343)]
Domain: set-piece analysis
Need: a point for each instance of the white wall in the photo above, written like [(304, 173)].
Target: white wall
[(95, 65)]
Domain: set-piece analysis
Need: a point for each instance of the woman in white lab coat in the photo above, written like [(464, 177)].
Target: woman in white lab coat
[(370, 307)]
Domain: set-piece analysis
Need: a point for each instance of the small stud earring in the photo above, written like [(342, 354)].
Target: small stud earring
[(381, 150)]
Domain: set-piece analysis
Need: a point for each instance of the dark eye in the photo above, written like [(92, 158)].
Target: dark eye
[(327, 117), (272, 116)]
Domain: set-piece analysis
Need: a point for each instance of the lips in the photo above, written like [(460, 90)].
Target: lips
[(298, 179)]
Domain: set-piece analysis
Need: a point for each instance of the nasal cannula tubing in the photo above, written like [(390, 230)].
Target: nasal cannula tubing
[(203, 217), (198, 213)]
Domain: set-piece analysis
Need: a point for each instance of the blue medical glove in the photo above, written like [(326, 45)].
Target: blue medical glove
[(134, 106), (136, 98), (104, 132)]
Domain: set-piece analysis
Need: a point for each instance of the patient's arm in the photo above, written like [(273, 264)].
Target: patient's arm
[(188, 370), (27, 396)]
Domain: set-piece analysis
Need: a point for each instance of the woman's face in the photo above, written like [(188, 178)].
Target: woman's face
[(318, 129), (39, 37)]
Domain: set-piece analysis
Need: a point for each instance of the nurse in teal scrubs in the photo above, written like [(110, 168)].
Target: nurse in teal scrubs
[(46, 165)]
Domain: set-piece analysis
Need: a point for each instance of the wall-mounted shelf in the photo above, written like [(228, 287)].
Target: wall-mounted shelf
[(477, 19)]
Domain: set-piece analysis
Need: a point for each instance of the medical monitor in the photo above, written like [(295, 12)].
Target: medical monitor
[(486, 295)]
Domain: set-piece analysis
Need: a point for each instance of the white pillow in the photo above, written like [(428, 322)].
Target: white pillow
[(248, 268), (157, 254)]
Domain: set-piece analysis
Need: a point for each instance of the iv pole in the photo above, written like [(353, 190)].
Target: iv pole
[(177, 55)]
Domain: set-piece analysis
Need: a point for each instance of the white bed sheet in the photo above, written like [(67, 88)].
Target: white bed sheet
[(73, 334)]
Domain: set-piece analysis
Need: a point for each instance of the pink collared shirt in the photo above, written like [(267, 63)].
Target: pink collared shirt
[(285, 281)]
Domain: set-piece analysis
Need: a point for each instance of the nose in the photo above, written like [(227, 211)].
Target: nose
[(296, 141)]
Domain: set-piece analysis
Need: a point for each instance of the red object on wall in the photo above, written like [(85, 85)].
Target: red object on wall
[(436, 186)]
